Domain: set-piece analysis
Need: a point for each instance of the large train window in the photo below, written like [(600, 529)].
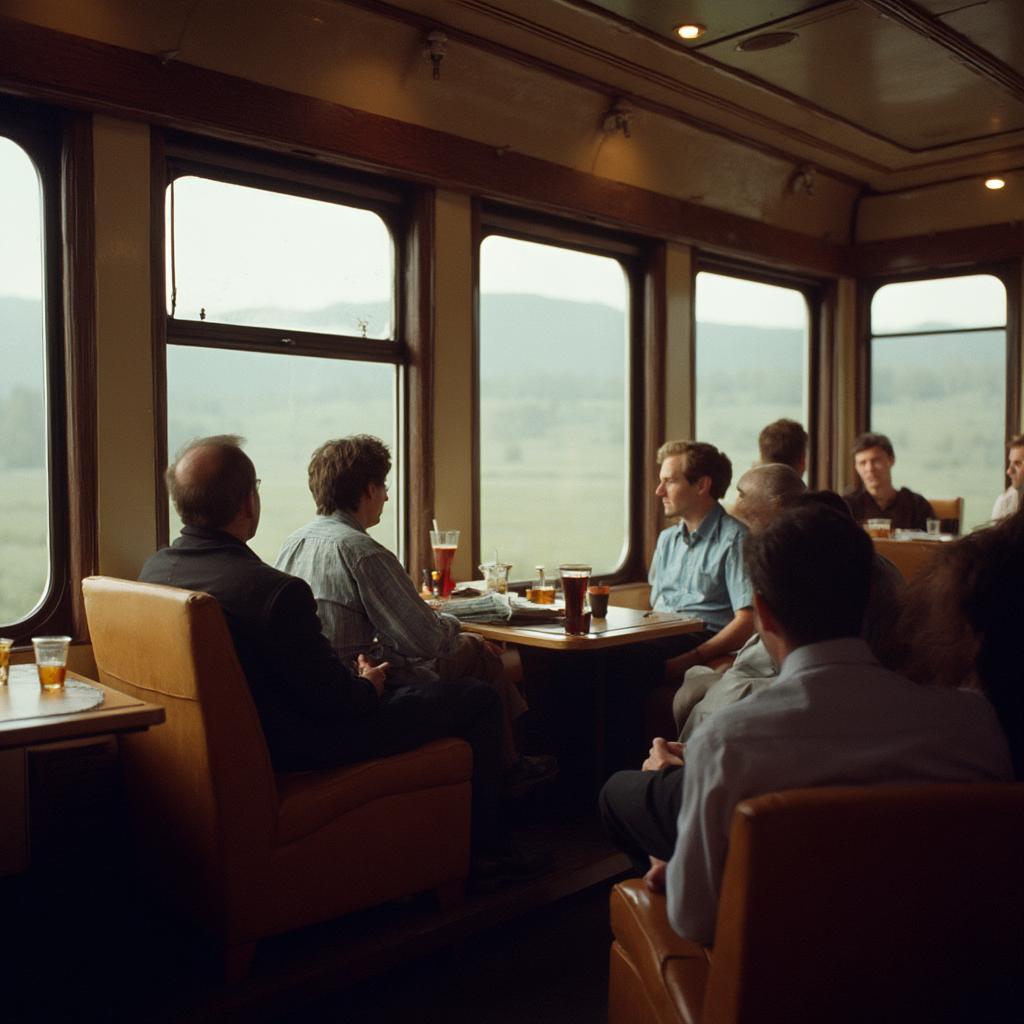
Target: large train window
[(282, 310), (27, 533), (938, 386), (752, 357), (554, 414)]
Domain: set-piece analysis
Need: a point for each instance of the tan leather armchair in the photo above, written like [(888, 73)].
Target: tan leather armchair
[(855, 904), (245, 852)]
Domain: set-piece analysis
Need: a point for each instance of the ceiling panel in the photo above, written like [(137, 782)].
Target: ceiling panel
[(880, 75)]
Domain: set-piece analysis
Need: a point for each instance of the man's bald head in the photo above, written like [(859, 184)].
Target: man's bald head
[(210, 480), (764, 491)]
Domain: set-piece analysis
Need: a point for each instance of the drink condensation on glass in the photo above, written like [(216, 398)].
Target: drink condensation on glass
[(5, 658), (51, 660), (575, 580), (445, 543)]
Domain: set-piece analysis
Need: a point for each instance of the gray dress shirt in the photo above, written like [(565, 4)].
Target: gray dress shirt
[(834, 717), (365, 599)]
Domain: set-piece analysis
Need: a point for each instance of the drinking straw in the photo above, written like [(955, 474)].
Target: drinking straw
[(436, 530)]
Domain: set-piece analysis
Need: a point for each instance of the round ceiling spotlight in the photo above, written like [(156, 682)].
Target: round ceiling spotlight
[(766, 41), (689, 31), (995, 184)]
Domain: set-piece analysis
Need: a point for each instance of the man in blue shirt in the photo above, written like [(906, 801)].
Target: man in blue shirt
[(698, 564), (697, 569)]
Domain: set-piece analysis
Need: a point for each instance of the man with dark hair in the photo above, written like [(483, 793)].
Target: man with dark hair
[(876, 497), (785, 442), (368, 604), (1009, 501), (833, 717), (316, 712)]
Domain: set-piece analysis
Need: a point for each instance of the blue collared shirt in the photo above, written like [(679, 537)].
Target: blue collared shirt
[(702, 572)]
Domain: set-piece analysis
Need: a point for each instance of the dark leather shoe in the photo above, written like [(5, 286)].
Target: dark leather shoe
[(530, 771)]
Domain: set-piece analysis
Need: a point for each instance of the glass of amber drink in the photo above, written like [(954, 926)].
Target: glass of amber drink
[(879, 528), (51, 660), (445, 543), (5, 658), (575, 580)]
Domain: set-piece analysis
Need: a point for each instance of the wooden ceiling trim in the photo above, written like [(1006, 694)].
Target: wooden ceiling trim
[(639, 71), (966, 52), (83, 73), (945, 249)]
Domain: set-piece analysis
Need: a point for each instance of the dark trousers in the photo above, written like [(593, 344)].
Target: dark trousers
[(410, 716), (640, 811), (634, 672)]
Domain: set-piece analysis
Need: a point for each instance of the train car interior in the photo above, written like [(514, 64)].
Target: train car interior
[(524, 243)]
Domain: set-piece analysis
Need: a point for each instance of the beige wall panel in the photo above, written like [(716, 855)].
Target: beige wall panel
[(959, 204), (373, 63), (124, 366), (453, 365), (679, 410)]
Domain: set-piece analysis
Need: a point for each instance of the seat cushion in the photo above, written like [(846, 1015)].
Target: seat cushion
[(671, 970), (309, 800)]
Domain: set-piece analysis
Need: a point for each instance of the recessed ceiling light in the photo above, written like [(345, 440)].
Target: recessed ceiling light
[(995, 183), (690, 31), (766, 41)]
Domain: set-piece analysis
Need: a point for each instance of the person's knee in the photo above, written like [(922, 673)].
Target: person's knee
[(619, 789)]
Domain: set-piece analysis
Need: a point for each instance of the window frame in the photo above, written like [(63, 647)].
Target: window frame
[(47, 136), (178, 155), (636, 255), (1008, 273), (817, 294)]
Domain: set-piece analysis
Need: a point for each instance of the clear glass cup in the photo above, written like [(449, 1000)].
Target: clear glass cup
[(575, 580), (51, 660), (881, 528), (934, 527), (598, 595), (496, 576), (444, 544), (6, 645)]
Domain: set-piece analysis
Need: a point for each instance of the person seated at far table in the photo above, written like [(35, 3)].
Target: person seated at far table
[(876, 497), (834, 716), (316, 711), (369, 605), (1009, 501), (784, 442)]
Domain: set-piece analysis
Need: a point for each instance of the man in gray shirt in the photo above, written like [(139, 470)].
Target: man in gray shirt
[(367, 603)]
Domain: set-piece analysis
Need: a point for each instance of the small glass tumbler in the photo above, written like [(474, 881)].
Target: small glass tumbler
[(879, 528), (51, 660), (6, 645), (934, 527)]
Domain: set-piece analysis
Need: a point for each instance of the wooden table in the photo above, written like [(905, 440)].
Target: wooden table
[(580, 666), (116, 714), (622, 626)]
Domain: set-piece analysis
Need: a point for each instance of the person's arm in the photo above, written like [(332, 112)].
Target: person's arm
[(693, 877), (318, 682), (406, 623), (663, 754), (729, 638)]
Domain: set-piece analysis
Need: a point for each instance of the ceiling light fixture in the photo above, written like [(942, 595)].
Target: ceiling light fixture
[(690, 31), (994, 184)]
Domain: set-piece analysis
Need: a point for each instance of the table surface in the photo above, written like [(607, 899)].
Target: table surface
[(117, 713), (622, 626)]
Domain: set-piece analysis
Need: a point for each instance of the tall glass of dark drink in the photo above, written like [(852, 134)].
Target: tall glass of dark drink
[(445, 543), (575, 580)]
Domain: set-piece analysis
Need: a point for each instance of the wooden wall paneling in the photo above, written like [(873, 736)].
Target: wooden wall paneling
[(158, 337), (40, 62), (653, 398), (79, 322), (418, 295)]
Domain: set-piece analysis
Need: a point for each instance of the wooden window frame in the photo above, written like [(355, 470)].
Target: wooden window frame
[(401, 207), (60, 145), (639, 259), (819, 296)]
